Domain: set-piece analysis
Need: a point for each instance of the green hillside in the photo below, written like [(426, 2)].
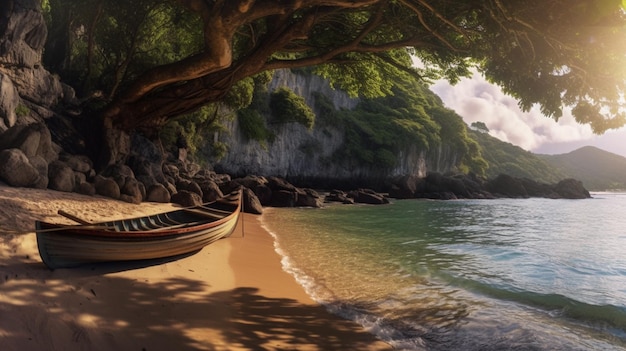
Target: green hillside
[(599, 170), (509, 159)]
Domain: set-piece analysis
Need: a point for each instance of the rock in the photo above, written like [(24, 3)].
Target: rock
[(23, 33), (277, 184), (146, 159), (78, 163), (535, 189), (186, 198), (9, 101), (171, 170), (210, 191), (309, 198), (456, 186), (405, 187), (115, 170), (368, 196), (131, 191), (158, 193), (107, 187), (507, 186), (339, 196), (33, 139), (147, 181), (284, 198), (61, 177), (192, 169), (264, 194), (171, 188), (79, 177), (189, 185), (252, 182), (251, 203), (42, 168), (86, 189), (16, 169), (571, 189)]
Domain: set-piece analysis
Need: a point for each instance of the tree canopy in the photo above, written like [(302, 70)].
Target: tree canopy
[(157, 59)]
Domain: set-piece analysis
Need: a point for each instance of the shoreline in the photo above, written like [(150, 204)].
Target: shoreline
[(232, 295)]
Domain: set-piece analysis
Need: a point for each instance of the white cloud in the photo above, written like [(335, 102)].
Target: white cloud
[(476, 99)]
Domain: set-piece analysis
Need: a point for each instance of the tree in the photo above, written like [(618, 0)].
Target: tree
[(546, 52), (480, 126)]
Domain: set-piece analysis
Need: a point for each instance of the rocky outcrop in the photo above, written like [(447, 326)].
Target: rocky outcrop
[(442, 187), (27, 91), (306, 156)]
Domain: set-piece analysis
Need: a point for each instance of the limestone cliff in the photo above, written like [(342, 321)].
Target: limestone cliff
[(299, 153), (27, 91)]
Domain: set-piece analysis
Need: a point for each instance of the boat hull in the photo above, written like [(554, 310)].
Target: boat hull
[(151, 237)]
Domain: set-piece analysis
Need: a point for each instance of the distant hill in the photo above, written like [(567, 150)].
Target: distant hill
[(509, 159), (599, 170)]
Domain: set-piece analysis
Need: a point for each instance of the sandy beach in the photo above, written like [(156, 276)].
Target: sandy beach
[(232, 295)]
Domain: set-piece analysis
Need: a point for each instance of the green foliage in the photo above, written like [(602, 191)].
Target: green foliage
[(252, 126), (194, 129), (287, 106), (379, 129), (324, 108), (104, 45), (546, 52), (512, 160), (480, 127), (242, 94), (454, 134), (22, 110), (218, 150), (599, 170)]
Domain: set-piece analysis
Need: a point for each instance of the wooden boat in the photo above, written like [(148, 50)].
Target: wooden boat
[(160, 235)]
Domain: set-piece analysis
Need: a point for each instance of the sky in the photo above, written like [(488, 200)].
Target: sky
[(476, 100)]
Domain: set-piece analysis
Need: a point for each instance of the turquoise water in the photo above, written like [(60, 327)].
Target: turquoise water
[(532, 274)]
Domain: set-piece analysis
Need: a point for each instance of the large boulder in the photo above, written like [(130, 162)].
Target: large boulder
[(284, 198), (132, 191), (210, 191), (61, 177), (158, 193), (309, 198), (277, 184), (368, 196), (571, 189), (186, 198), (405, 187), (16, 169), (33, 139), (189, 185), (107, 187), (251, 203)]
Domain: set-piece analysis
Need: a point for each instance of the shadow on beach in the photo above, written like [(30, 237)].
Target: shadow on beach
[(71, 309)]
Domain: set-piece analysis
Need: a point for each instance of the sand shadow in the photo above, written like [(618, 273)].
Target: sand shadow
[(41, 309)]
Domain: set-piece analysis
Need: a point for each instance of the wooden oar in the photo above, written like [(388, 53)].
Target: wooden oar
[(72, 217)]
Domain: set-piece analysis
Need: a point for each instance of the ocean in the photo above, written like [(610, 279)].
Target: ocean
[(504, 274)]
